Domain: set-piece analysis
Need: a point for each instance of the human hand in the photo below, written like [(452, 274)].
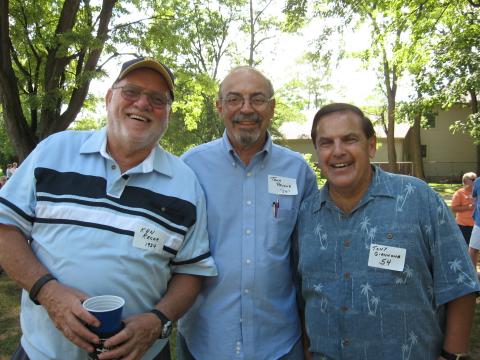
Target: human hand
[(135, 339), (64, 307)]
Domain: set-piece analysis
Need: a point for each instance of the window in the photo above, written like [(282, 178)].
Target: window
[(430, 120), (423, 150)]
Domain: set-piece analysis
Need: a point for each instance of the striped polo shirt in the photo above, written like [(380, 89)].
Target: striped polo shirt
[(104, 232)]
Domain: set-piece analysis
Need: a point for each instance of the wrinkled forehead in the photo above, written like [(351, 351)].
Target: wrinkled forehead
[(245, 82), (339, 121)]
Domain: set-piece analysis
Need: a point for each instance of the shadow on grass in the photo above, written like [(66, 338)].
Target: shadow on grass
[(9, 322)]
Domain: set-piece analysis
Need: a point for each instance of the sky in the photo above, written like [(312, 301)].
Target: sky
[(351, 81)]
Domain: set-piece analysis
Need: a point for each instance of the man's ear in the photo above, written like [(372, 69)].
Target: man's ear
[(219, 105), (372, 147), (108, 96)]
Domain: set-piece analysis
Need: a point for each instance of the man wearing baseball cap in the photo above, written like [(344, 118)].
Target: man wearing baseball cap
[(106, 212)]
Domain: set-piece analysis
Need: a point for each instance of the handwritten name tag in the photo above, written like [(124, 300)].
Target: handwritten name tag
[(387, 257), (149, 239), (280, 185)]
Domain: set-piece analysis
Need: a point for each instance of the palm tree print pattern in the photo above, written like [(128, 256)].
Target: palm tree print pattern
[(372, 301), (369, 232), (463, 277), (407, 348), (322, 236), (402, 198), (407, 273), (323, 302)]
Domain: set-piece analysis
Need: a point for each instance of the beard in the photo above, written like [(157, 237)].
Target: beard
[(243, 136)]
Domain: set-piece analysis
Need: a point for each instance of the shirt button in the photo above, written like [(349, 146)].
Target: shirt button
[(346, 243), (246, 291), (346, 275), (344, 308), (345, 342), (249, 174), (114, 167), (249, 202), (248, 231), (248, 261)]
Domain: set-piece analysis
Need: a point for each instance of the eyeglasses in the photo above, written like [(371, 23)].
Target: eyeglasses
[(258, 101), (133, 93)]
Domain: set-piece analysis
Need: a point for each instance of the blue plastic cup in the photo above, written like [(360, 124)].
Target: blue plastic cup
[(108, 310)]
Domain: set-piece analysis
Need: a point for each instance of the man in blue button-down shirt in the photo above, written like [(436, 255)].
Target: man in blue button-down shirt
[(254, 189), (385, 271)]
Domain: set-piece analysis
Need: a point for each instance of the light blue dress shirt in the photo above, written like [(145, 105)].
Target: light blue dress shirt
[(475, 194), (82, 216), (356, 311), (250, 310)]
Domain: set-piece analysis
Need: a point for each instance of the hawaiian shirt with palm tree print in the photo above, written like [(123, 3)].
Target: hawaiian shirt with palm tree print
[(357, 311)]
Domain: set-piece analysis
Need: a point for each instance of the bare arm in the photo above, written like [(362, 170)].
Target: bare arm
[(17, 258), (460, 314), (62, 303), (142, 330), (460, 208)]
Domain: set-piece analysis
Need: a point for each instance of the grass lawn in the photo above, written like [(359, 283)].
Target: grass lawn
[(10, 303)]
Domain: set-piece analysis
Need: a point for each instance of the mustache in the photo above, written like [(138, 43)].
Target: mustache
[(246, 117)]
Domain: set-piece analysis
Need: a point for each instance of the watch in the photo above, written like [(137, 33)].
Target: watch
[(166, 329), (449, 356)]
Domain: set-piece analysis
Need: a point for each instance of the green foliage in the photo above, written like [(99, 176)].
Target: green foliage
[(470, 126), (7, 154), (315, 168), (88, 123)]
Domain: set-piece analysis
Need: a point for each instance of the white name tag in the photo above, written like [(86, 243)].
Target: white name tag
[(149, 239), (387, 257), (280, 185)]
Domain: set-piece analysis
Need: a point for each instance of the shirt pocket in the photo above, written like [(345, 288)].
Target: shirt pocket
[(280, 228), (404, 238)]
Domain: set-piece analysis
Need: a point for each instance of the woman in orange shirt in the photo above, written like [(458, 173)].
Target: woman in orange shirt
[(463, 205)]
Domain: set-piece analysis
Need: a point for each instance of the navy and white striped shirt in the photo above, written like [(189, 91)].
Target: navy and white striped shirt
[(82, 216)]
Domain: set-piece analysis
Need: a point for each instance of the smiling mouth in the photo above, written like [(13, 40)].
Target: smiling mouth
[(139, 118), (340, 165)]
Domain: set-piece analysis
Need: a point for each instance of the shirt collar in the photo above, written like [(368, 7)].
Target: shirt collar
[(379, 186), (157, 160)]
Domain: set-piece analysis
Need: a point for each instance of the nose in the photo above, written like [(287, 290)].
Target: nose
[(246, 107), (143, 102), (338, 148)]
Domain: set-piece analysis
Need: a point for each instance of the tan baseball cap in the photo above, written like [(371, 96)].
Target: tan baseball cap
[(149, 63)]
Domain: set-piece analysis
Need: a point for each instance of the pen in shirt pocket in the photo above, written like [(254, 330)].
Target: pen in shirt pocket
[(275, 208)]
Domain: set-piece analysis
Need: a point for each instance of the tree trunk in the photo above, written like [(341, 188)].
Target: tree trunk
[(474, 107), (252, 34), (418, 170), (25, 136), (390, 79)]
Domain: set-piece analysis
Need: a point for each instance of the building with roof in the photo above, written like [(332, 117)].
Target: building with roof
[(446, 156)]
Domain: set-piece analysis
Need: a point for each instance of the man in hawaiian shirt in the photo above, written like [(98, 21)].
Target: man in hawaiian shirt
[(385, 271)]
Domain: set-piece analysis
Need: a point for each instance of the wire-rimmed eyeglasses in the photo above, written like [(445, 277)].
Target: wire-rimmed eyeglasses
[(132, 93), (257, 101)]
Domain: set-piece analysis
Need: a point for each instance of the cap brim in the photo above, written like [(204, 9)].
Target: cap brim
[(150, 64)]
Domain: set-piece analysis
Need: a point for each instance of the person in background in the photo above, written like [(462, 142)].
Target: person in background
[(13, 168), (463, 205), (474, 244), (254, 189), (106, 212), (383, 266), (3, 181), (8, 172)]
